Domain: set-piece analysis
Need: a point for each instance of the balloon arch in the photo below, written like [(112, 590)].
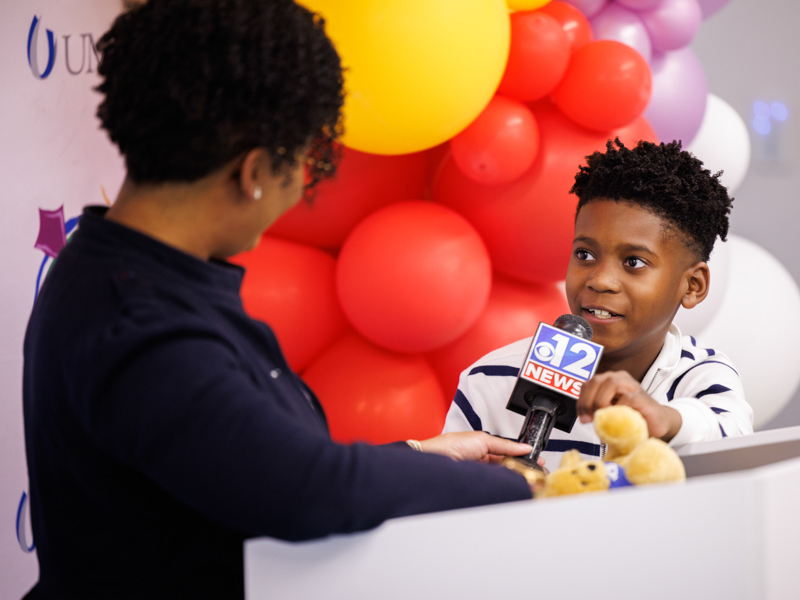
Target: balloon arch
[(448, 227)]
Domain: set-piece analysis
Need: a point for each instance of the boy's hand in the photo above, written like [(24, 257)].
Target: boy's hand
[(619, 387)]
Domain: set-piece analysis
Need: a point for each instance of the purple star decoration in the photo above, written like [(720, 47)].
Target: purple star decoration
[(52, 234)]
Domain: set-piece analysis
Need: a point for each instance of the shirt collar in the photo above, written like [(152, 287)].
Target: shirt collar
[(95, 228), (666, 360)]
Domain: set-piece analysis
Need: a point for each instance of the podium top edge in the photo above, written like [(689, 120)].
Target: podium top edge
[(759, 438)]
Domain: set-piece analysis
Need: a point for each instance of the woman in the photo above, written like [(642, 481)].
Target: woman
[(163, 426)]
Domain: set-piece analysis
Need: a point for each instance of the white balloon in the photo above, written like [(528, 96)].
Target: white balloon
[(723, 143), (694, 321), (758, 326)]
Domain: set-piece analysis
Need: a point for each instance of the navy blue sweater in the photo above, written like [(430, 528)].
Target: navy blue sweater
[(163, 427)]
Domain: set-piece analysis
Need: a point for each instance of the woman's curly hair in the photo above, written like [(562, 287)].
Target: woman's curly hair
[(662, 178), (190, 85)]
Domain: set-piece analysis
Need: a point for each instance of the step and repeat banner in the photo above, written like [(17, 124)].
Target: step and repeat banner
[(54, 159)]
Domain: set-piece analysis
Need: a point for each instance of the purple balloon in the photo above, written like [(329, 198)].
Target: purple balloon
[(589, 8), (639, 4), (672, 24), (709, 7), (622, 25), (678, 102)]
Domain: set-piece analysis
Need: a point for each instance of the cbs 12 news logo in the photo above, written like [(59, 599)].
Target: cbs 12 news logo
[(561, 361)]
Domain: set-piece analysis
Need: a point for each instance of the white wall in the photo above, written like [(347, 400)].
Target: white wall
[(750, 51)]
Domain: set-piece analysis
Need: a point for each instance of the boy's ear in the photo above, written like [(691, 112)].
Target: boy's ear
[(698, 278)]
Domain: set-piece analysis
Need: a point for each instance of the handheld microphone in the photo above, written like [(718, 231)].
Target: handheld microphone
[(561, 358)]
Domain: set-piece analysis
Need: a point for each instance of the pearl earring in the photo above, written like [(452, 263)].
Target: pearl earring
[(257, 193)]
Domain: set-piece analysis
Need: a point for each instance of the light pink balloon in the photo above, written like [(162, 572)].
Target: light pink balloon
[(617, 23), (639, 4), (709, 7), (680, 90), (672, 24), (589, 8)]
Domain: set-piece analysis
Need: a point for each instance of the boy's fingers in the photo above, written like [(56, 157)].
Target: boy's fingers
[(586, 398), (630, 398), (604, 389), (602, 397), (612, 390)]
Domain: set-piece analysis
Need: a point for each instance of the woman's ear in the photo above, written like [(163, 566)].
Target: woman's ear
[(253, 175), (698, 278)]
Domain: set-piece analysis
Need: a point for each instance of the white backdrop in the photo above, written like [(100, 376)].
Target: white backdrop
[(52, 153)]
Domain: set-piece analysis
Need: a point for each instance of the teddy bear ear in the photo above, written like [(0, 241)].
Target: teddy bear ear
[(621, 428), (570, 458)]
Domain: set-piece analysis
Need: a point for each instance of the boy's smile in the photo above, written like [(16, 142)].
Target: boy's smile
[(627, 276)]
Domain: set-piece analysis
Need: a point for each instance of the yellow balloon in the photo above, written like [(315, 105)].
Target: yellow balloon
[(526, 4), (417, 72)]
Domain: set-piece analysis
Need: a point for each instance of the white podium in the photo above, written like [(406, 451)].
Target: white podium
[(731, 531)]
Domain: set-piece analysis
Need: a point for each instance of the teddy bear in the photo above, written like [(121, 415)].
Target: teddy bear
[(575, 476), (633, 458), (644, 459)]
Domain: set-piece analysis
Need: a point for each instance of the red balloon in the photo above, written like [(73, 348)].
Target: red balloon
[(363, 183), (513, 312), (527, 225), (373, 395), (607, 85), (413, 276), (574, 24), (637, 131), (291, 287), (499, 145), (537, 58), (433, 160)]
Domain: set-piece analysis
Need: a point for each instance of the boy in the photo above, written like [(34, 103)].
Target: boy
[(646, 223)]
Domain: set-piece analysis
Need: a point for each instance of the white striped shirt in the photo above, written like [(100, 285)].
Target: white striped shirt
[(700, 383)]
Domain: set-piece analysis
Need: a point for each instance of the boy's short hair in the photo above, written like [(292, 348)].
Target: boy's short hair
[(190, 85), (661, 178)]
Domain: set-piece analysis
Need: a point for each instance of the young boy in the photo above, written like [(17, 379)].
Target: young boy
[(646, 223)]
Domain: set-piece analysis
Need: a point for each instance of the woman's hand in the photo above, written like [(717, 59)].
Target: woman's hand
[(474, 445), (619, 387), (482, 447)]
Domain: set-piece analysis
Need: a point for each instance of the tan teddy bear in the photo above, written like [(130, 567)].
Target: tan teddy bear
[(575, 476), (643, 459)]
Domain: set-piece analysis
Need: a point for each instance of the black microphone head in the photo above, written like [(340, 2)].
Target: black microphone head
[(575, 325)]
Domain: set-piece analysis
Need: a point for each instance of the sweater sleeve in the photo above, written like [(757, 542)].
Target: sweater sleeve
[(186, 415), (710, 399)]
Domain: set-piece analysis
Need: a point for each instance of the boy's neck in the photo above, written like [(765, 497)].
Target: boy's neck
[(637, 365)]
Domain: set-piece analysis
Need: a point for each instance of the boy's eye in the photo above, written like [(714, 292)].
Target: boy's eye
[(635, 263), (583, 254)]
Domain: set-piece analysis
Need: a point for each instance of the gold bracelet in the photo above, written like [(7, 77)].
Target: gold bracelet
[(415, 445)]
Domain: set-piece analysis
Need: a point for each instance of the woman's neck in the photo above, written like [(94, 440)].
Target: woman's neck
[(172, 213)]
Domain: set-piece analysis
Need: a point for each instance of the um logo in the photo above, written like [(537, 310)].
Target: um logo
[(23, 525), (88, 52), (33, 50)]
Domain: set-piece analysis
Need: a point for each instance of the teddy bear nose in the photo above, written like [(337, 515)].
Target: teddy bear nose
[(591, 467)]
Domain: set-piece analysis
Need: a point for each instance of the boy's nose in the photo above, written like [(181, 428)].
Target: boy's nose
[(603, 279)]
